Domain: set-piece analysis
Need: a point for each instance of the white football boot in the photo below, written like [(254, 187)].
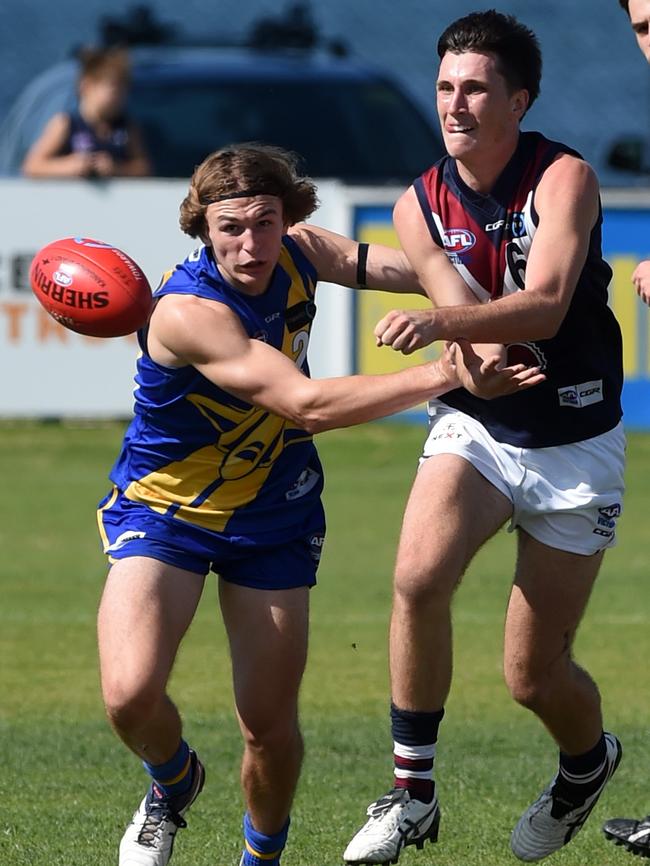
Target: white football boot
[(149, 838), (552, 821), (394, 822)]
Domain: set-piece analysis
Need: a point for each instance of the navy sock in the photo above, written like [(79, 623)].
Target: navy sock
[(414, 738), (175, 776), (260, 849), (581, 775)]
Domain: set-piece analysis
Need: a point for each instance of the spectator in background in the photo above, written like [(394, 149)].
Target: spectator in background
[(634, 834), (97, 139)]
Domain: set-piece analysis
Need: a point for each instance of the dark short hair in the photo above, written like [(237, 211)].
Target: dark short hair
[(625, 4), (239, 168), (515, 46)]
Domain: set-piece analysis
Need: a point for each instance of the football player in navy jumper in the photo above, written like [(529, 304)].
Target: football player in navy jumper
[(218, 472), (504, 234)]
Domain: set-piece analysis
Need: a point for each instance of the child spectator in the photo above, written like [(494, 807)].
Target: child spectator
[(97, 139)]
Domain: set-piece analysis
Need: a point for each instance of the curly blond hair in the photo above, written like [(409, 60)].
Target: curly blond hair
[(250, 168)]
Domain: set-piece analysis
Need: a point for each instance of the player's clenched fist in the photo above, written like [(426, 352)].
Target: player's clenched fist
[(406, 330)]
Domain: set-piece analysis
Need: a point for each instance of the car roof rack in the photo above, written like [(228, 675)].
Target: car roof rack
[(294, 29)]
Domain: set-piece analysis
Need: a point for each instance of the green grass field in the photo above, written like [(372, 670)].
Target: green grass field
[(67, 785)]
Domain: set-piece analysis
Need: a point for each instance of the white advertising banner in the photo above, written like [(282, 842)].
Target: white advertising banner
[(48, 371)]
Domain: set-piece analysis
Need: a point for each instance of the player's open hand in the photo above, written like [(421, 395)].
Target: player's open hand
[(641, 281), (487, 377), (406, 330)]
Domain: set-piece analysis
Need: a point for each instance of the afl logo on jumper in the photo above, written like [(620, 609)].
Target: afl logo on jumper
[(458, 240)]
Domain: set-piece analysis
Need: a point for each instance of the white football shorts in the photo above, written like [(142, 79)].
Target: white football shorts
[(567, 496)]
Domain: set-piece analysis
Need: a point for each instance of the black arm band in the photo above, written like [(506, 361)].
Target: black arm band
[(362, 258)]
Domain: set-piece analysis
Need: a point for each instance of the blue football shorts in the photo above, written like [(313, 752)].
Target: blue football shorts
[(262, 561)]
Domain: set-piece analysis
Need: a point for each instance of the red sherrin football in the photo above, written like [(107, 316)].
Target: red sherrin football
[(91, 287)]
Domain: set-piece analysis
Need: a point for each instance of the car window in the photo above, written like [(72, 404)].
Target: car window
[(359, 131)]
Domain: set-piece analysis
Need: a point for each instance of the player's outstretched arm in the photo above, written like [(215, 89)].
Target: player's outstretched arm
[(182, 332), (336, 259), (186, 330)]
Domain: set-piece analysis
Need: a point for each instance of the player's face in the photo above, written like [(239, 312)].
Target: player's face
[(246, 238), (640, 20), (479, 115)]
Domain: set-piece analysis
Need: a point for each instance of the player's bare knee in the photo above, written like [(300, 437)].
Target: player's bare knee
[(272, 736), (531, 686), (130, 709), (418, 585), (267, 723), (528, 693)]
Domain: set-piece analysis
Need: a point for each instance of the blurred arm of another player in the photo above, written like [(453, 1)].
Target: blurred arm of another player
[(641, 281), (183, 331), (567, 205)]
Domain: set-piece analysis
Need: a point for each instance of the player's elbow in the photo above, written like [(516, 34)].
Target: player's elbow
[(545, 330), (308, 409), (308, 422), (310, 419), (548, 321)]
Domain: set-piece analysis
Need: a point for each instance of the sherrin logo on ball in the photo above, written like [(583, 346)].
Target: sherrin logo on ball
[(91, 287)]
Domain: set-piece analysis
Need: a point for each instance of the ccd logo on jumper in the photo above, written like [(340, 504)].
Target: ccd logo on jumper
[(458, 240)]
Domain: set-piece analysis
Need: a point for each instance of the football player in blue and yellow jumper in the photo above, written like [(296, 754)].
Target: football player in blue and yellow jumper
[(218, 472)]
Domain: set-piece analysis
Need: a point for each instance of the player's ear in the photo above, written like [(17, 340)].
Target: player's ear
[(519, 102)]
